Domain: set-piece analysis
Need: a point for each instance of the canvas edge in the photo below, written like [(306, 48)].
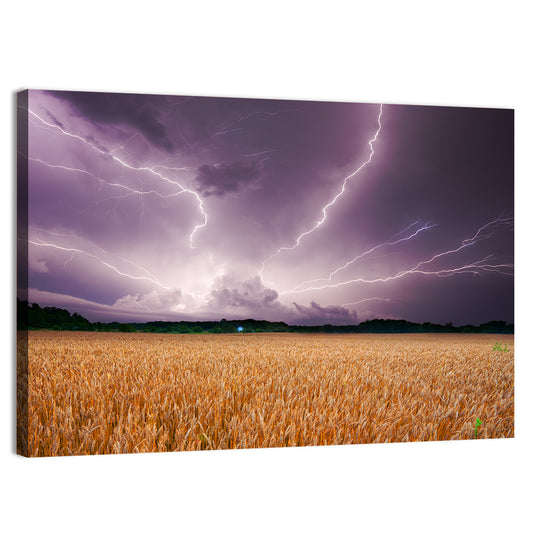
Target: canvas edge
[(22, 419)]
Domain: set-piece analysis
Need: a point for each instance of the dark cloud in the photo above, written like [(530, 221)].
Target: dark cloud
[(219, 180), (136, 110), (54, 120), (315, 314), (250, 294), (95, 142)]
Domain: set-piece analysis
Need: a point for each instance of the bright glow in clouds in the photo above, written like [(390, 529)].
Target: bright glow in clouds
[(114, 233)]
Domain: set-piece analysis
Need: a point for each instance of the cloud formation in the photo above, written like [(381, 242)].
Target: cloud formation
[(37, 265), (218, 180), (250, 295), (152, 301), (135, 110), (315, 314)]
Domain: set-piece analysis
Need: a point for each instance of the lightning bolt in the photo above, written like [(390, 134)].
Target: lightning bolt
[(472, 268), (69, 236), (367, 300), (150, 278), (181, 102), (187, 142), (124, 144), (221, 128), (68, 261), (108, 183), (334, 199), (120, 161), (369, 251), (497, 222), (174, 168), (229, 132), (73, 251), (260, 153)]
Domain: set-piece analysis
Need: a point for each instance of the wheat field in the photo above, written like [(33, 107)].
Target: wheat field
[(99, 393)]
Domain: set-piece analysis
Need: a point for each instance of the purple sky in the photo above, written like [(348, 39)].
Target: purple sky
[(146, 207)]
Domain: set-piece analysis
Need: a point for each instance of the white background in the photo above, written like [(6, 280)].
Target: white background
[(461, 53)]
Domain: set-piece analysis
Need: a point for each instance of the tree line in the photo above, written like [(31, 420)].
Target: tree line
[(31, 316)]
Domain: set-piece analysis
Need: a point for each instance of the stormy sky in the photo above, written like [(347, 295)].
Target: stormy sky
[(146, 207)]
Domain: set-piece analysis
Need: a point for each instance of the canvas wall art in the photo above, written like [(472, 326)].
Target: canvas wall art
[(207, 273)]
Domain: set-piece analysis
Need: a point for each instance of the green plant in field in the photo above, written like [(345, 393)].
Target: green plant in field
[(498, 347), (477, 424)]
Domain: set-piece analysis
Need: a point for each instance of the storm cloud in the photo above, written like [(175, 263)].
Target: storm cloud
[(250, 295), (138, 111), (238, 297), (219, 180), (315, 314), (190, 207)]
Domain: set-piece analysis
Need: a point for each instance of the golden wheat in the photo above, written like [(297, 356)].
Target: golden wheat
[(94, 393)]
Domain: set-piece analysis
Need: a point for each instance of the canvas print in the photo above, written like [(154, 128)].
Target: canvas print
[(207, 273)]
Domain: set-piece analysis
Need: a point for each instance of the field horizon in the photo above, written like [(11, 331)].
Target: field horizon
[(31, 316)]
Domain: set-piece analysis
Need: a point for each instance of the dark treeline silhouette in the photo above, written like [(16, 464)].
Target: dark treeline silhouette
[(32, 316)]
